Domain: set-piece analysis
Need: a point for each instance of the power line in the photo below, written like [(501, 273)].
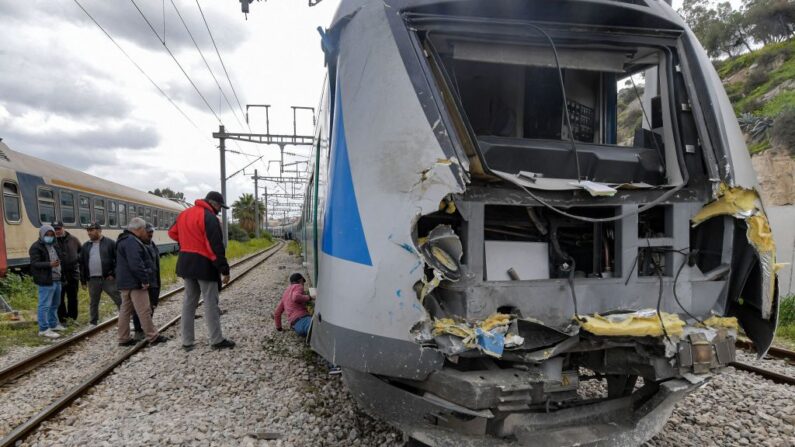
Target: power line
[(206, 64), (221, 59), (137, 66), (176, 61)]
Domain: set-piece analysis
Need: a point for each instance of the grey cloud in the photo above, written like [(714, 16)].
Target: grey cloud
[(122, 20), (82, 149)]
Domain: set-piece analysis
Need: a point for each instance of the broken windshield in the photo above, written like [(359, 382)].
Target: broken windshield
[(509, 98)]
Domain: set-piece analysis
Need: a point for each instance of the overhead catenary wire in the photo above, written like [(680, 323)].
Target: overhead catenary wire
[(168, 50), (217, 52), (206, 64), (141, 70)]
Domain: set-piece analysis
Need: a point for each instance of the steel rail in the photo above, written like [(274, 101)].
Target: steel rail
[(767, 374), (54, 351), (55, 407), (779, 353)]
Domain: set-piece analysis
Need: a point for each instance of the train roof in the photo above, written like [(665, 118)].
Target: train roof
[(637, 13), (62, 176)]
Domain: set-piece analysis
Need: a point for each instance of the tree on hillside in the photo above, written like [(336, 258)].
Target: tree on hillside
[(719, 28), (243, 211), (168, 193), (770, 20)]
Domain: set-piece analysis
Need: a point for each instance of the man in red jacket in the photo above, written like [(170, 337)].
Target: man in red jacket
[(202, 265)]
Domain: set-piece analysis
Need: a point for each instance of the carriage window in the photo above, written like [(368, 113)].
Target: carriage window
[(112, 214), (122, 215), (85, 211), (132, 212), (11, 202), (141, 212), (99, 211), (67, 208), (148, 215), (158, 218), (46, 206)]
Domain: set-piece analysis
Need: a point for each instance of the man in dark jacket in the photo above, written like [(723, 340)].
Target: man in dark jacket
[(154, 286), (97, 270), (134, 271), (45, 268), (70, 247), (202, 265)]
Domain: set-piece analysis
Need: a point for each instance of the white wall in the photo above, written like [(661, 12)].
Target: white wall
[(782, 220)]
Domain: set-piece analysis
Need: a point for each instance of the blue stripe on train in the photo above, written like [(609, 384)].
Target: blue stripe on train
[(343, 234)]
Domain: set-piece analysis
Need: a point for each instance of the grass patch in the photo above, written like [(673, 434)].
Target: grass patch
[(294, 248), (786, 319), (20, 292)]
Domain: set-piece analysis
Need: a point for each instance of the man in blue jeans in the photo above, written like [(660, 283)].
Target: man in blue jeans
[(45, 267), (293, 302)]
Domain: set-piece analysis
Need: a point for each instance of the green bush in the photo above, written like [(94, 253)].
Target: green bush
[(755, 79), (786, 313), (236, 233), (783, 131)]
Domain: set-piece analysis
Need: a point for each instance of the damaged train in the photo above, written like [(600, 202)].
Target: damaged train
[(498, 260)]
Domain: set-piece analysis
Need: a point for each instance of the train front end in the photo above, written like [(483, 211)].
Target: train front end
[(540, 225)]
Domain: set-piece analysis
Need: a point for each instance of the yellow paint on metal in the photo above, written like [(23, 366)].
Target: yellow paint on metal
[(731, 202), (636, 324)]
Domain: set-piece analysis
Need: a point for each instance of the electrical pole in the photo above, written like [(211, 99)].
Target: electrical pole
[(222, 148), (256, 204), (266, 208)]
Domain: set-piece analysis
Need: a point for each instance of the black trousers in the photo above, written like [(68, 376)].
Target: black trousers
[(154, 299), (68, 306)]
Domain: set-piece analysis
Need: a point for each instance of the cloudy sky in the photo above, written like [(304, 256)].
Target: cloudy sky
[(69, 95)]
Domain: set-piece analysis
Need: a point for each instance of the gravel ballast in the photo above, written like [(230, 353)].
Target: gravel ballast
[(272, 390)]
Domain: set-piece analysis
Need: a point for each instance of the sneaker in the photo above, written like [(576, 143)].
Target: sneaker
[(159, 339), (59, 328), (129, 342), (92, 324), (334, 370), (224, 344), (49, 334), (139, 335), (188, 348)]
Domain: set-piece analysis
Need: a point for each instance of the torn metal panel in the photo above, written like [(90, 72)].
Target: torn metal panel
[(745, 204)]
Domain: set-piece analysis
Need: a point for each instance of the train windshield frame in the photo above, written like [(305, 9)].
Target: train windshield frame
[(503, 96)]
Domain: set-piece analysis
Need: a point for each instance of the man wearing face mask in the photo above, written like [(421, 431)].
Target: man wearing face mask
[(202, 265), (70, 247), (45, 267)]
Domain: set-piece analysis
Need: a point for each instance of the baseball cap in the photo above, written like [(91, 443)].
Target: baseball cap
[(57, 225), (94, 226), (216, 196)]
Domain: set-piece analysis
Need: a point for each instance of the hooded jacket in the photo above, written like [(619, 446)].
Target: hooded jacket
[(70, 247), (40, 268), (107, 255), (134, 266), (201, 244)]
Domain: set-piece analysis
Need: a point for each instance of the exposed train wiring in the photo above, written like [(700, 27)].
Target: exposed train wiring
[(206, 64), (168, 50), (135, 64), (217, 52)]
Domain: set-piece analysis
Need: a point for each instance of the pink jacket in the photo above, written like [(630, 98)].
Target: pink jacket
[(294, 303)]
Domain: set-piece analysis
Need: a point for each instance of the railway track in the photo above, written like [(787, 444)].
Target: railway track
[(42, 357), (774, 352)]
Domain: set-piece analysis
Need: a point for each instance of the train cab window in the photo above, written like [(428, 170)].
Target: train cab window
[(11, 202), (122, 215), (510, 98), (112, 215), (99, 211), (46, 206), (148, 215), (85, 211), (67, 207)]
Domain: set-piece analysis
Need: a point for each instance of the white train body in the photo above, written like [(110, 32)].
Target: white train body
[(442, 130)]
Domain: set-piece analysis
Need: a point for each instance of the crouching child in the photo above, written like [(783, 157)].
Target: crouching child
[(294, 302)]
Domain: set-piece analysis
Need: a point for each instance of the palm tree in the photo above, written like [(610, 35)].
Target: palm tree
[(243, 211)]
